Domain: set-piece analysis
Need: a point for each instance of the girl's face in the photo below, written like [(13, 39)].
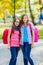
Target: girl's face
[(17, 22), (25, 19)]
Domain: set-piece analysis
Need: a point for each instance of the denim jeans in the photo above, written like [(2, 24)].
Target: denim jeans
[(14, 54), (26, 50)]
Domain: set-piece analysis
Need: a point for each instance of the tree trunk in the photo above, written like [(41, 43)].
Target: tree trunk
[(39, 1), (14, 10), (32, 17), (25, 6)]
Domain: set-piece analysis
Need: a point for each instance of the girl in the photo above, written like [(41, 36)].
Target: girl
[(27, 42), (13, 41)]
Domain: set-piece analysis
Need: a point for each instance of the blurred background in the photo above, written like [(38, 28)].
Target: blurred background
[(9, 9)]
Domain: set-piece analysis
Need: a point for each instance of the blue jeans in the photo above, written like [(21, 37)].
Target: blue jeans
[(14, 54), (26, 50)]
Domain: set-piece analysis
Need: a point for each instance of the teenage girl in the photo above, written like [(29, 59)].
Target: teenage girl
[(14, 41), (27, 40)]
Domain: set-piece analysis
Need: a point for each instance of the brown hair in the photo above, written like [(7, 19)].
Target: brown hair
[(22, 22), (12, 30), (15, 21), (14, 24)]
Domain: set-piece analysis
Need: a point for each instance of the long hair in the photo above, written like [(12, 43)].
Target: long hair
[(15, 21), (22, 22), (14, 24), (12, 30)]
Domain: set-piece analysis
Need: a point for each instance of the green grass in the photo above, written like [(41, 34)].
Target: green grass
[(2, 27), (0, 36), (7, 26), (40, 34)]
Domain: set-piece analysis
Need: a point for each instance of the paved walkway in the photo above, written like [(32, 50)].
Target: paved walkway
[(36, 54)]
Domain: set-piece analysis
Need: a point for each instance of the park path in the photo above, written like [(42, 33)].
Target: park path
[(36, 54)]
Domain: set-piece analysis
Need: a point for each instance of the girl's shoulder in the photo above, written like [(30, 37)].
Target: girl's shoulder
[(10, 29), (31, 25), (22, 26)]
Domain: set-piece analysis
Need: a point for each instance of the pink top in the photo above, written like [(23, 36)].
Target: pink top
[(14, 41)]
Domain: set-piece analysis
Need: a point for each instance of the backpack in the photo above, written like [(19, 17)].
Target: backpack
[(36, 36), (4, 36)]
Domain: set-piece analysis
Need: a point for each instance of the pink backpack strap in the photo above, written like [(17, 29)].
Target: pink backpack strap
[(30, 26)]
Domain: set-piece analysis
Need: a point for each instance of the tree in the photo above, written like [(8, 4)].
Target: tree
[(25, 6), (20, 7), (39, 1), (32, 17)]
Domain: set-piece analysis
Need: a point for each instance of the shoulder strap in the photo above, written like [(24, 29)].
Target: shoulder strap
[(30, 26)]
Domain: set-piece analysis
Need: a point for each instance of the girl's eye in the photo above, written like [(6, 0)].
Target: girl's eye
[(17, 22)]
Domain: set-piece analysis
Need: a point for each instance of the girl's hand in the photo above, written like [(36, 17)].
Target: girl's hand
[(32, 46), (8, 46)]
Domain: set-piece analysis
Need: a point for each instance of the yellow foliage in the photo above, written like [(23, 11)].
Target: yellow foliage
[(19, 6), (1, 15), (38, 6)]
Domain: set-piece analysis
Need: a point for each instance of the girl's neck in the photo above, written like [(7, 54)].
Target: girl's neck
[(25, 24)]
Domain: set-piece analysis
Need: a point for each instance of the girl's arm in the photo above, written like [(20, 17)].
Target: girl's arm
[(8, 39), (32, 39), (32, 28)]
